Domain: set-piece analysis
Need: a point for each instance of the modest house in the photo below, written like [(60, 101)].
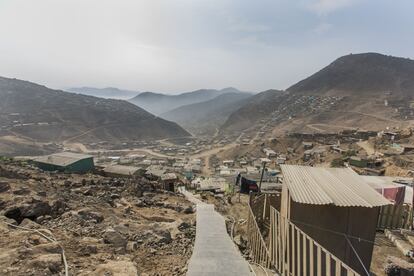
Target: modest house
[(66, 162), (336, 208), (269, 153), (169, 181), (358, 161), (123, 171), (154, 172)]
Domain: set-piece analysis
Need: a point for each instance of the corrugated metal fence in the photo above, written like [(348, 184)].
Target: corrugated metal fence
[(395, 217)]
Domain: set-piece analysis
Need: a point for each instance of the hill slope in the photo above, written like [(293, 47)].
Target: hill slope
[(36, 112), (360, 74), (206, 117), (108, 92), (369, 91), (157, 103)]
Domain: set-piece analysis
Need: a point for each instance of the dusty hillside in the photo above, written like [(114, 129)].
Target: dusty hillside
[(369, 91), (35, 112), (106, 226)]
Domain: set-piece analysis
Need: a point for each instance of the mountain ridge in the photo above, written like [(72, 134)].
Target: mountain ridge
[(367, 90), (205, 117), (158, 103), (42, 114)]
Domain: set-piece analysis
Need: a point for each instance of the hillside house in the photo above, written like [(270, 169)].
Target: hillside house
[(333, 206), (357, 161), (66, 162), (229, 163), (169, 180), (307, 145), (269, 153)]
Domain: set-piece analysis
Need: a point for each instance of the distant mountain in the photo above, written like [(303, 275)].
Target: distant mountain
[(361, 74), (206, 117), (108, 92), (369, 91), (157, 103), (35, 112), (253, 109)]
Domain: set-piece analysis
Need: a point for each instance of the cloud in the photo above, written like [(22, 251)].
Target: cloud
[(323, 7), (322, 28), (183, 45)]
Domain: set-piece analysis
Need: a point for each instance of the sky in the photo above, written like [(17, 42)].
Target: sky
[(174, 46)]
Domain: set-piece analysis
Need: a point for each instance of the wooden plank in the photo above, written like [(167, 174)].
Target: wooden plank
[(293, 238), (319, 261), (298, 255), (287, 230), (328, 263), (311, 258), (338, 267), (305, 265)]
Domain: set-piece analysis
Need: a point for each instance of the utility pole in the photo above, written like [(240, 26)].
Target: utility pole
[(261, 177)]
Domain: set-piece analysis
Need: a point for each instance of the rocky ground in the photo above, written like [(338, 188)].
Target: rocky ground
[(105, 226)]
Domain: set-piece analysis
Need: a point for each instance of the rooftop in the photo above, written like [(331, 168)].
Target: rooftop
[(337, 186), (62, 159), (122, 170)]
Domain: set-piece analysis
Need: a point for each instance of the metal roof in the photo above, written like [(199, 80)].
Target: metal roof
[(337, 186), (62, 159), (122, 170), (169, 176)]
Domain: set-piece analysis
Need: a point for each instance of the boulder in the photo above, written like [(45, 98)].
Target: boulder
[(116, 268), (131, 246), (398, 267), (44, 248), (59, 207), (188, 210), (87, 214), (115, 238), (4, 186), (183, 226), (53, 262), (240, 242), (35, 209), (8, 220)]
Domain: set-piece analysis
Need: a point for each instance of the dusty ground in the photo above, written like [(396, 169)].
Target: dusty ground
[(106, 226), (383, 248)]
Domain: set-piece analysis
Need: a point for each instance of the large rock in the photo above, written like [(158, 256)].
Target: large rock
[(115, 238), (4, 186), (116, 268), (30, 210), (398, 267), (87, 214), (53, 262)]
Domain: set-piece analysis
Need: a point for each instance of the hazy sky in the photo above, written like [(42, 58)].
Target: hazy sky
[(183, 45)]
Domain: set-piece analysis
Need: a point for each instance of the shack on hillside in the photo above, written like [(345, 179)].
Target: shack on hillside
[(169, 180), (336, 208), (65, 162)]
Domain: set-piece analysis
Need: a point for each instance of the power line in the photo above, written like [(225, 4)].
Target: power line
[(334, 232)]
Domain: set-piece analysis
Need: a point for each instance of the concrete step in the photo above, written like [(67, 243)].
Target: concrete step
[(409, 235), (401, 242)]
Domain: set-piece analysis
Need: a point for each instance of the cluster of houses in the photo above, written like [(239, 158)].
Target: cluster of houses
[(69, 162)]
